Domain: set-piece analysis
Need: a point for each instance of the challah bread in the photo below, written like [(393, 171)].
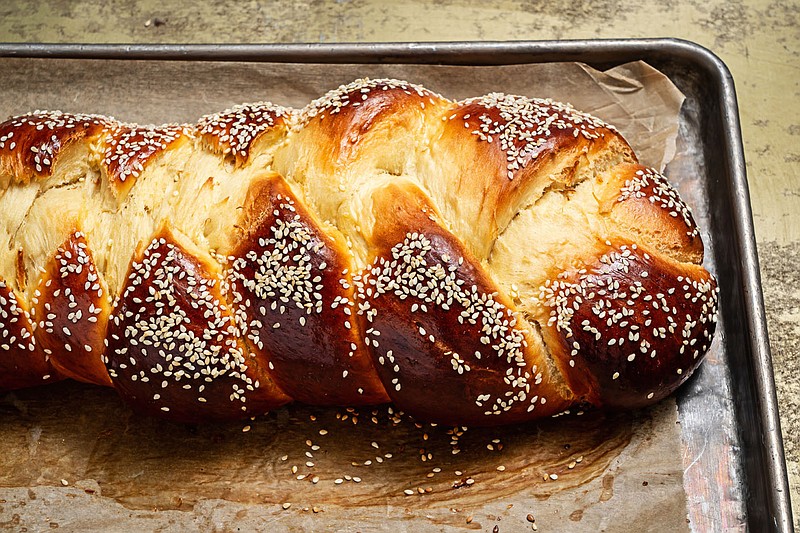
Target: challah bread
[(483, 262)]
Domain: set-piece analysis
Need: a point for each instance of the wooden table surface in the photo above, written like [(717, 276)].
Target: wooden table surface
[(758, 39)]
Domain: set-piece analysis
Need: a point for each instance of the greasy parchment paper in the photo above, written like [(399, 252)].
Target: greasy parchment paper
[(72, 456)]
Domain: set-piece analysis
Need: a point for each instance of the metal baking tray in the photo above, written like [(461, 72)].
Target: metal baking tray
[(728, 412)]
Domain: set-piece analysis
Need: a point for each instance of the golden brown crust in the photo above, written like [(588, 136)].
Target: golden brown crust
[(363, 114), (174, 348), (71, 309), (23, 363), (448, 346), (358, 105), (234, 131), (629, 327), (128, 148), (521, 131), (290, 283), (382, 262), (649, 207), (30, 144)]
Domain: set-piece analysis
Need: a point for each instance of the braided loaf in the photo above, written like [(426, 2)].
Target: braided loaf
[(487, 261)]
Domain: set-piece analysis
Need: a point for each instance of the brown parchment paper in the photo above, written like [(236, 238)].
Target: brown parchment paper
[(73, 456)]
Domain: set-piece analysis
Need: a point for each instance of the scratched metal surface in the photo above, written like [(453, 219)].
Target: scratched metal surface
[(734, 473)]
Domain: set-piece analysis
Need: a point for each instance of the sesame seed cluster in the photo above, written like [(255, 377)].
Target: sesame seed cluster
[(522, 127), (235, 130), (427, 287), (282, 312), (129, 147), (354, 94), (36, 138), (71, 306), (171, 327), (284, 271), (651, 184), (629, 316), (20, 357), (15, 326), (290, 289)]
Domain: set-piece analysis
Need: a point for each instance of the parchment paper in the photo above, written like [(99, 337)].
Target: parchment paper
[(72, 456)]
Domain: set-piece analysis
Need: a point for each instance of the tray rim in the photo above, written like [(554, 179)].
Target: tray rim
[(594, 51)]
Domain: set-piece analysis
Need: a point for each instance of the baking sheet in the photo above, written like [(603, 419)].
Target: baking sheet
[(126, 472), (632, 466)]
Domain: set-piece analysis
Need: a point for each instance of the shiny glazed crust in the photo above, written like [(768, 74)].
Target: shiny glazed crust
[(484, 262)]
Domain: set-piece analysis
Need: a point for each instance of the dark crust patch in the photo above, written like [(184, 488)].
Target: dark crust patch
[(174, 348), (633, 327), (290, 284), (22, 361), (447, 346), (71, 308), (235, 130), (30, 144)]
